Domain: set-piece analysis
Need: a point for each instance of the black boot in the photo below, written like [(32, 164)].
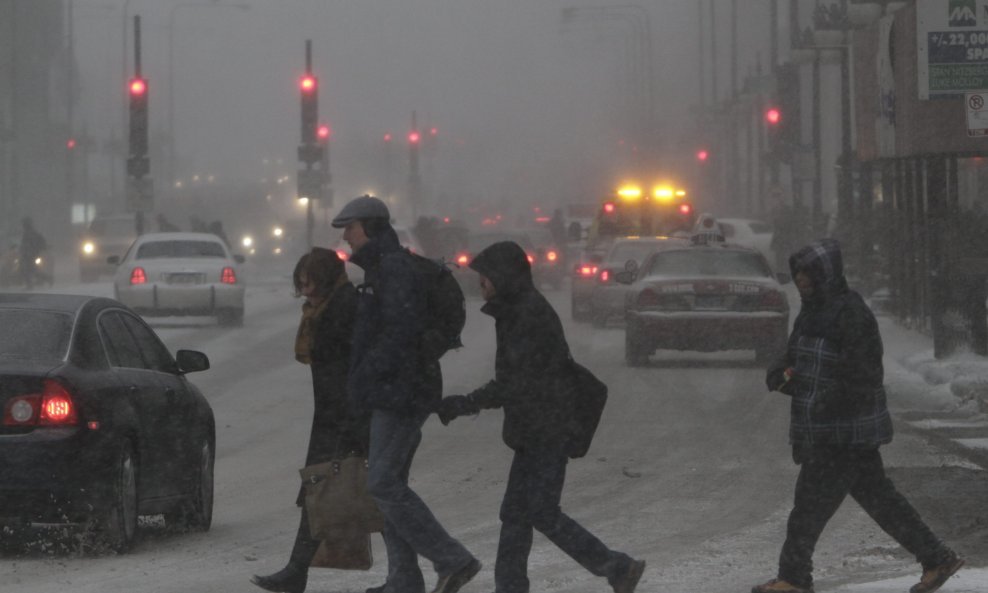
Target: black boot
[(290, 579)]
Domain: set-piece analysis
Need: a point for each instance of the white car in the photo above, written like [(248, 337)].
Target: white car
[(181, 274), (755, 234)]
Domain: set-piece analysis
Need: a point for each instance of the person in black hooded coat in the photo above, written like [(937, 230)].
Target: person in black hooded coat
[(832, 370), (322, 342), (532, 354)]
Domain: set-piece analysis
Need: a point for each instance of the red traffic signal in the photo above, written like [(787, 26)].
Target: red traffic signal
[(70, 143), (609, 207), (307, 83), (138, 87), (323, 132), (414, 137), (702, 155), (773, 116), (387, 137)]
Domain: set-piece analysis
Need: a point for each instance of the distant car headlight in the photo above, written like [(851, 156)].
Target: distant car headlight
[(247, 241), (277, 231), (88, 248)]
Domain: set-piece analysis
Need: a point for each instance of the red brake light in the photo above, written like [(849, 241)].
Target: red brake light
[(137, 276), (52, 407), (551, 255), (605, 276), (608, 207), (531, 258), (587, 270), (343, 255), (648, 298), (228, 276), (462, 259), (685, 208)]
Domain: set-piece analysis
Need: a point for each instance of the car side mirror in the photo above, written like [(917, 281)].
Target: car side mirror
[(113, 260), (239, 258), (191, 361), (783, 277), (625, 277)]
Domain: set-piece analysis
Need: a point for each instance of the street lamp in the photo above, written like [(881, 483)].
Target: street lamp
[(171, 71)]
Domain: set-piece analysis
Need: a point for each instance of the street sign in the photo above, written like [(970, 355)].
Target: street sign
[(952, 47), (977, 113)]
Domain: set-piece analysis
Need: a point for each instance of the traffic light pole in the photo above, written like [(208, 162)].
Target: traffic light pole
[(139, 184)]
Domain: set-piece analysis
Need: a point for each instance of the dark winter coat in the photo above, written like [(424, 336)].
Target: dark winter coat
[(835, 351), (532, 354), (388, 370)]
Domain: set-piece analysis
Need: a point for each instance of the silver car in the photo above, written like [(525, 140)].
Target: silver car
[(181, 274)]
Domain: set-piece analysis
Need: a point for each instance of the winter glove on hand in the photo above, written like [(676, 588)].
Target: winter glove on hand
[(454, 406), (776, 378)]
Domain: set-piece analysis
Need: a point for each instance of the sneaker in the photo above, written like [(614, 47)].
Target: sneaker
[(451, 583), (934, 578), (779, 586), (627, 582)]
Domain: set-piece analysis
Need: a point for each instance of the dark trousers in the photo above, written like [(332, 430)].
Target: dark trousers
[(531, 501), (305, 547), (827, 476)]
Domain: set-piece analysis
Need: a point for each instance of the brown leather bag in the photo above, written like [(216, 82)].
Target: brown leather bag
[(336, 498), (347, 550)]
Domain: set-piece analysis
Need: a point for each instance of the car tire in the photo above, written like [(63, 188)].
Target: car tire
[(635, 354), (119, 523), (196, 512), (231, 318)]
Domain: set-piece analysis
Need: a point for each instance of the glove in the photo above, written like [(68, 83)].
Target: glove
[(454, 406), (777, 378)]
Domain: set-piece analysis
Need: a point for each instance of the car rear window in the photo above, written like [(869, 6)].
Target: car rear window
[(158, 249), (689, 264), (34, 335)]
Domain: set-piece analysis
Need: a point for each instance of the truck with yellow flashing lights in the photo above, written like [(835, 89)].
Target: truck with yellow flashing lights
[(636, 210)]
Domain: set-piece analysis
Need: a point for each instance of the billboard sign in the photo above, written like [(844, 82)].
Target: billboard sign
[(952, 47)]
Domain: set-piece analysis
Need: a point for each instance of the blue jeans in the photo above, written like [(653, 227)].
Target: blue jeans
[(531, 501), (410, 528)]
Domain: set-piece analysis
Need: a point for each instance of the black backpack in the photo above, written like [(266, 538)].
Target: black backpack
[(447, 309)]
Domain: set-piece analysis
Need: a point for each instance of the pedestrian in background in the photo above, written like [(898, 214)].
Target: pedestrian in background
[(531, 354), (323, 343), (833, 372), (33, 246), (392, 378)]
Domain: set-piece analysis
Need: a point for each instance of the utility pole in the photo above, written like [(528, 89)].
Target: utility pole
[(310, 180), (140, 197), (414, 176)]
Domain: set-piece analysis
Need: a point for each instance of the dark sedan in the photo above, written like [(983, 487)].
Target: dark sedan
[(100, 424)]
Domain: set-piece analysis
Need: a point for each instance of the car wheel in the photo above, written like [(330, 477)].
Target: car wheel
[(634, 353), (231, 317), (119, 524), (196, 513)]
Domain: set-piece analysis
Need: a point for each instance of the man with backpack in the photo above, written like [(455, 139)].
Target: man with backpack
[(531, 369), (397, 378)]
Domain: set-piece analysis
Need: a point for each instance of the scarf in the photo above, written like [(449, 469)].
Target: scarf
[(310, 316)]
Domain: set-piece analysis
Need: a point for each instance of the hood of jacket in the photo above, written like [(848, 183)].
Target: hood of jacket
[(823, 263), (506, 265), (369, 256)]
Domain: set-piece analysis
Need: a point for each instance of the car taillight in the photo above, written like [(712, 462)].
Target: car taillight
[(343, 255), (552, 256), (52, 407), (605, 276), (462, 259), (228, 276), (137, 276), (531, 259), (586, 270), (648, 298)]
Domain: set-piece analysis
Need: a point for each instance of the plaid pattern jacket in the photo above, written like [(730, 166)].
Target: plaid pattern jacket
[(835, 351)]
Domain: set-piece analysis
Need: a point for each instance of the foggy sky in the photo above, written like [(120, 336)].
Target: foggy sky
[(518, 97)]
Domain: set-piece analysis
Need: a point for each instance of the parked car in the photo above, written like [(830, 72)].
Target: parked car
[(756, 234), (100, 424), (107, 236), (181, 274), (706, 297), (628, 253)]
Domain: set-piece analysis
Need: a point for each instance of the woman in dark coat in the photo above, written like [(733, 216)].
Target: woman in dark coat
[(323, 343), (532, 355)]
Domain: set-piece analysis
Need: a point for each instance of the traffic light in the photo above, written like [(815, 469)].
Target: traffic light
[(414, 137), (323, 133), (782, 116), (702, 155), (137, 161), (309, 87)]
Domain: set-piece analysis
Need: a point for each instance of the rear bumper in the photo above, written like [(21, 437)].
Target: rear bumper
[(708, 331), (164, 299)]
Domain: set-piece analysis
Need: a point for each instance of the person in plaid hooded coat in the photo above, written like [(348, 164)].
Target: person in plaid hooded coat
[(832, 371)]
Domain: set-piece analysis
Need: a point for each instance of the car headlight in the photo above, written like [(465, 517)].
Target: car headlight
[(247, 241), (88, 248)]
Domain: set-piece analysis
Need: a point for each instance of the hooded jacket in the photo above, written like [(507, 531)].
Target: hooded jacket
[(388, 370), (835, 352), (532, 353)]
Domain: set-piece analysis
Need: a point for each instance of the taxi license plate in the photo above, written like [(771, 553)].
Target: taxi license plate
[(184, 278)]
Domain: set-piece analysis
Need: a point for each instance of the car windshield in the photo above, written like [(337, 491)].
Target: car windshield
[(160, 249), (636, 250), (478, 243), (112, 227), (713, 262), (34, 335)]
